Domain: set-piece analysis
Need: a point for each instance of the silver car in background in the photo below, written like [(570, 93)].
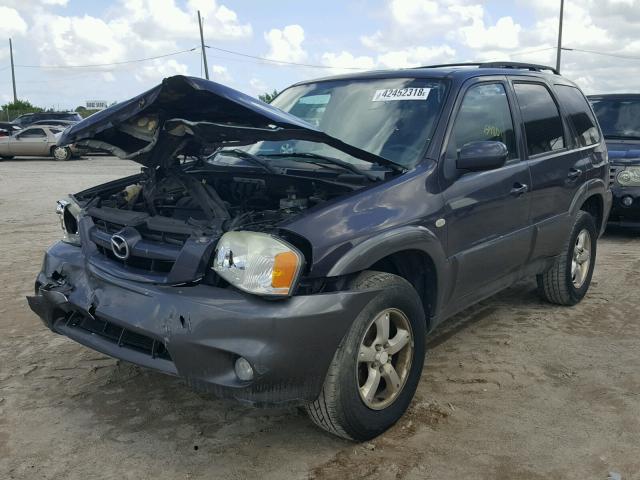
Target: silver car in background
[(36, 141)]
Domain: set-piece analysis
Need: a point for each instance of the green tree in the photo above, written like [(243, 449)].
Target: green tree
[(268, 97), (12, 110)]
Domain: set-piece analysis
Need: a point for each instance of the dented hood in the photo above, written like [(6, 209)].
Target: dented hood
[(182, 114)]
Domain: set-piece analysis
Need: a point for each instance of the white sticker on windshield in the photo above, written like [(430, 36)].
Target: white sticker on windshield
[(391, 94)]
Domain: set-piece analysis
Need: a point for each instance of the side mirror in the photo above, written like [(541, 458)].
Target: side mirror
[(480, 156)]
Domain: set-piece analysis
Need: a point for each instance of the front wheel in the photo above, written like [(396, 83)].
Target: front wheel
[(61, 153), (376, 369), (567, 281)]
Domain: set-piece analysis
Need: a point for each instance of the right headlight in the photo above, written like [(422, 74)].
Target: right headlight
[(258, 263), (68, 213), (629, 177)]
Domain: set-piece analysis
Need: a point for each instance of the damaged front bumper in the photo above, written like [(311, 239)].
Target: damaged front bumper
[(198, 332)]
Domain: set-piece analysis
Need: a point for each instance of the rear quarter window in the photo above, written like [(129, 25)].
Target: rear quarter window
[(580, 115)]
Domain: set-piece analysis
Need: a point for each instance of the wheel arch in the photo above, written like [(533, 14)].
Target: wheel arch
[(591, 198), (411, 252), (594, 205)]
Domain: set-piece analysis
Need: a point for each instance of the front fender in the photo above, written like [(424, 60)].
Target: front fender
[(369, 252)]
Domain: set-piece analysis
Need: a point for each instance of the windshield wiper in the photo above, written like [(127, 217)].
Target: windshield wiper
[(321, 158), (250, 157)]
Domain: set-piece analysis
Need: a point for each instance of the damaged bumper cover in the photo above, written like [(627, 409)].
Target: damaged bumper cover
[(197, 332)]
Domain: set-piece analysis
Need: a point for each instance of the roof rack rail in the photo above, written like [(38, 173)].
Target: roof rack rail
[(515, 65)]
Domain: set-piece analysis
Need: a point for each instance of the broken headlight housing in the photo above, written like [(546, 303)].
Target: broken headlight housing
[(68, 212), (258, 263), (629, 177)]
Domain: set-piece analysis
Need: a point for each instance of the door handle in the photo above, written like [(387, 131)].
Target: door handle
[(519, 189), (574, 173)]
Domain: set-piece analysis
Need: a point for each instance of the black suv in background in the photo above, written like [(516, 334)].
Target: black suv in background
[(305, 260), (619, 117), (28, 118)]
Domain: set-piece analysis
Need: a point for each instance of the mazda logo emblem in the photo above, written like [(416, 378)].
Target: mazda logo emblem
[(119, 247)]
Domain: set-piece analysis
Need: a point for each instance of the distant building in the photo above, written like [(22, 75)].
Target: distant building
[(96, 104)]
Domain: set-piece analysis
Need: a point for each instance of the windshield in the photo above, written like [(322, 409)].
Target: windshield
[(392, 118), (619, 117)]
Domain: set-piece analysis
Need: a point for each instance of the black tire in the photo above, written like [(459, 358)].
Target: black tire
[(57, 153), (556, 285), (339, 409)]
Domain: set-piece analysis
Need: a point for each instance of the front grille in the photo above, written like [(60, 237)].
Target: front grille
[(119, 336), (177, 239), (153, 265), (153, 259), (613, 173)]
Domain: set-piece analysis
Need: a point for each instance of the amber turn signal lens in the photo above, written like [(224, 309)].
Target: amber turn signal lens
[(285, 267)]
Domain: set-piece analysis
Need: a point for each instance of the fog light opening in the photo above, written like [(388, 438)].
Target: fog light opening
[(627, 201), (243, 368)]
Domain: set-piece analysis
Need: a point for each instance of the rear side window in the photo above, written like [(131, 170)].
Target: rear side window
[(32, 133), (542, 122), (580, 115), (484, 116)]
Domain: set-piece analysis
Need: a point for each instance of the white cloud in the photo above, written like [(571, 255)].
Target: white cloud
[(11, 22), (505, 34), (286, 44), (74, 40), (416, 56), (159, 69), (220, 74), (165, 19), (258, 86), (344, 61)]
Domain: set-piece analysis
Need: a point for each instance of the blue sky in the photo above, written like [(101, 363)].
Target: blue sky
[(337, 35)]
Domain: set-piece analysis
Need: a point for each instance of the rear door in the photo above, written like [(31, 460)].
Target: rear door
[(489, 233), (30, 141), (557, 162)]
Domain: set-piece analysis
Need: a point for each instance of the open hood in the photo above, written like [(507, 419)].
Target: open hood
[(183, 114)]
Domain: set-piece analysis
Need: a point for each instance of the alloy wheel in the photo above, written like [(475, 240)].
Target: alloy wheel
[(581, 260), (384, 358)]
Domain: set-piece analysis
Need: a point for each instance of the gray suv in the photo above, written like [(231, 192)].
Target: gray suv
[(305, 260)]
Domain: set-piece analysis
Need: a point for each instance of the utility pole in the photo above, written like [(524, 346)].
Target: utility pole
[(13, 75), (559, 54), (204, 52)]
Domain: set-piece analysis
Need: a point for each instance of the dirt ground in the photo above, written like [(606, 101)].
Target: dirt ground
[(512, 388)]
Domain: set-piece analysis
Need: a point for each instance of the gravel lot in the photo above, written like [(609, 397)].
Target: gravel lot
[(512, 388)]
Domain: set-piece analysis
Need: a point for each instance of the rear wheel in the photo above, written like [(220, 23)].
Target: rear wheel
[(567, 282), (61, 153), (376, 369)]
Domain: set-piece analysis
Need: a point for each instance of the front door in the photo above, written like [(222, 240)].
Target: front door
[(30, 141), (489, 231)]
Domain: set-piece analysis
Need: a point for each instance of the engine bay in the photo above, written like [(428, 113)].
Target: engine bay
[(215, 201)]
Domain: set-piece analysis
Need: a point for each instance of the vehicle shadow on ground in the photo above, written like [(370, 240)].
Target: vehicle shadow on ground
[(127, 400)]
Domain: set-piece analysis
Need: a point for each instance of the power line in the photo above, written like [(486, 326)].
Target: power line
[(526, 52), (281, 62), (124, 62), (605, 54)]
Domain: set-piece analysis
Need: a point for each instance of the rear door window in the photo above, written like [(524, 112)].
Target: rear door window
[(580, 115), (542, 122), (33, 133)]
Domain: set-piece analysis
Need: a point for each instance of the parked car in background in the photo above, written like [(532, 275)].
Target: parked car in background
[(28, 118), (38, 141), (8, 128), (55, 123), (305, 261), (619, 117)]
